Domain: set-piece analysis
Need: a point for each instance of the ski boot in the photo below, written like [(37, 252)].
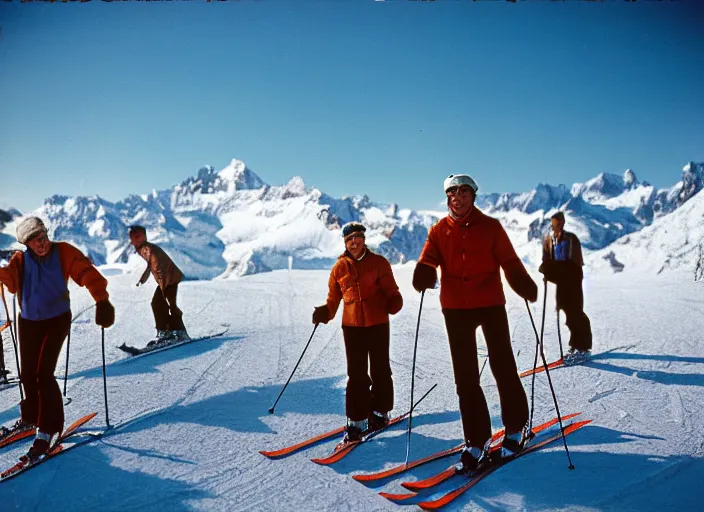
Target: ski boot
[(354, 431), (575, 356), (378, 420), (512, 444), (18, 426), (42, 445), (161, 337), (471, 459), (180, 335)]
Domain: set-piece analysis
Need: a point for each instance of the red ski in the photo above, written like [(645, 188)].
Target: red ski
[(342, 449), (419, 462), (475, 479), (450, 472), (555, 364), (17, 436), (401, 468), (284, 452), (57, 448)]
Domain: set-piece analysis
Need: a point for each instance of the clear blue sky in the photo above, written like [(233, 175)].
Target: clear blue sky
[(354, 96)]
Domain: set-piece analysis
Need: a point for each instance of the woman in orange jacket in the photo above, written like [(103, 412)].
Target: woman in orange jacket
[(39, 278), (471, 248), (365, 283)]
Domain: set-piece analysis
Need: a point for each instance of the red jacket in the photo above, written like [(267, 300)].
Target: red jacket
[(365, 286), (469, 252), (74, 264)]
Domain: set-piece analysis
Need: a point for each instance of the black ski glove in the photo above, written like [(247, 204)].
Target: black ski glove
[(555, 271), (394, 304), (424, 277), (321, 315), (104, 314)]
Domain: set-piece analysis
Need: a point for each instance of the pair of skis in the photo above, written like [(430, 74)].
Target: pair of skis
[(471, 479), (58, 447), (166, 345), (561, 362), (341, 450), (474, 478)]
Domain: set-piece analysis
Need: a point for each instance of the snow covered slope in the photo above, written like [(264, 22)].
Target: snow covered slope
[(670, 242), (192, 420)]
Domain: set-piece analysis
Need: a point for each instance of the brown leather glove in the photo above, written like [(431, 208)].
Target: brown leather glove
[(424, 277), (321, 315)]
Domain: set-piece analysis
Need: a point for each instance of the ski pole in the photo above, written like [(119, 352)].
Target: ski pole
[(105, 380), (539, 341), (68, 350), (559, 336), (538, 346), (14, 314), (271, 409), (413, 378), (14, 340)]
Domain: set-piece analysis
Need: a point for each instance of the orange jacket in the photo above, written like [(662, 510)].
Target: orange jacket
[(365, 286), (160, 265), (74, 264), (469, 252)]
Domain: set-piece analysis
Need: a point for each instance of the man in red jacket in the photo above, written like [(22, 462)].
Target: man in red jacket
[(470, 248)]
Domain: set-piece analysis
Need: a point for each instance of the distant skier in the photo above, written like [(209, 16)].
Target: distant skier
[(365, 283), (470, 248), (39, 278), (562, 265), (167, 316)]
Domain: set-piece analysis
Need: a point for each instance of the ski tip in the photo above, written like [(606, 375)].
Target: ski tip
[(364, 478), (272, 455), (88, 417), (398, 497)]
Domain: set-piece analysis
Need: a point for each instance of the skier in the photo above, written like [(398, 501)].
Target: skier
[(365, 282), (470, 247), (562, 265), (39, 278), (167, 316)]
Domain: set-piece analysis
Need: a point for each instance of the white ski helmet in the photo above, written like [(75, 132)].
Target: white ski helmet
[(455, 180)]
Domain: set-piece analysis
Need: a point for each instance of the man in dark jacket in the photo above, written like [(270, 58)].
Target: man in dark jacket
[(562, 265), (167, 315)]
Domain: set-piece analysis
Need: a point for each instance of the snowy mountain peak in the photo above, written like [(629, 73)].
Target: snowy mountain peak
[(629, 179), (692, 176), (295, 187), (236, 176), (604, 186), (230, 222), (240, 176)]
